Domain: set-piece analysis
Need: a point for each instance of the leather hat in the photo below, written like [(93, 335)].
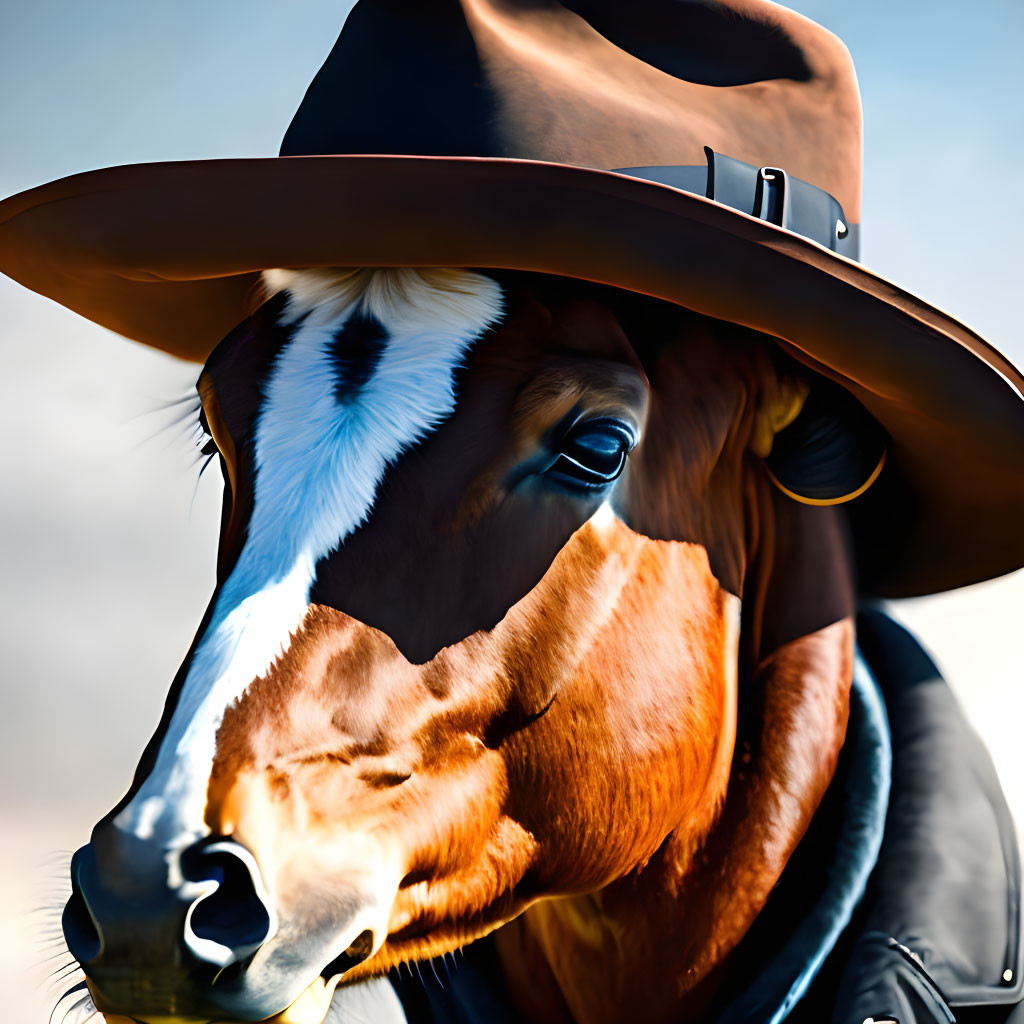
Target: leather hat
[(705, 152)]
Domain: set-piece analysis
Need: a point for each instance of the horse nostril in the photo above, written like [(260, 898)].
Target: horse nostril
[(234, 917), (80, 931), (361, 948), (358, 951)]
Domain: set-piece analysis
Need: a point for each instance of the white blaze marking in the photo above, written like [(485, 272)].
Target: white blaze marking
[(318, 466)]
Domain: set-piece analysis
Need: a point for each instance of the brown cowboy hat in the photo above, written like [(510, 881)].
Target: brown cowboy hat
[(706, 152)]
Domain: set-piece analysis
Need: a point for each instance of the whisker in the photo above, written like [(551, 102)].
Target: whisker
[(54, 985), (60, 952), (60, 967), (71, 993), (195, 457), (186, 415), (162, 404), (81, 987), (190, 468), (195, 490), (82, 1006), (48, 900), (56, 994), (42, 963), (175, 431), (43, 927), (58, 977), (437, 977)]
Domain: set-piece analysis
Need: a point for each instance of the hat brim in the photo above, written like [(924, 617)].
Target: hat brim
[(165, 254)]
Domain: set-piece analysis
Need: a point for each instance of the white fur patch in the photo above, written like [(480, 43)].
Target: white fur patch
[(318, 466), (604, 518), (367, 1002)]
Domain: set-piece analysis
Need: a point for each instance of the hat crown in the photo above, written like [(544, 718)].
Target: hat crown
[(590, 83)]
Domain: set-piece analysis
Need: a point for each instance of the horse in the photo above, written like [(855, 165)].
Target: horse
[(514, 634)]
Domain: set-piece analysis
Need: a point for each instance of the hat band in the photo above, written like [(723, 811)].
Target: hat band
[(768, 193)]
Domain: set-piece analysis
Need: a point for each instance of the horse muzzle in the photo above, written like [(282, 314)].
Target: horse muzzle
[(193, 936)]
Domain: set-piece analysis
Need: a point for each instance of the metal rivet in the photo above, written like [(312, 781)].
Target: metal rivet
[(1007, 975), (841, 229)]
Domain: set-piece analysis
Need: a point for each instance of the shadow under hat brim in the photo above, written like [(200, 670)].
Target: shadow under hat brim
[(166, 254)]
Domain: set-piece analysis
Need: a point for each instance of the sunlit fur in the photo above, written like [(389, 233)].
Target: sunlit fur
[(613, 765)]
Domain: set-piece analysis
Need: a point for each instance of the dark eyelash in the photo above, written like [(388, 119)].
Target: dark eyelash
[(205, 442)]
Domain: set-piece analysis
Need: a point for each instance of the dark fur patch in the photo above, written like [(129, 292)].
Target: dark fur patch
[(357, 348)]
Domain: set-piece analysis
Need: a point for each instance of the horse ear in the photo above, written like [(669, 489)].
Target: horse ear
[(827, 449)]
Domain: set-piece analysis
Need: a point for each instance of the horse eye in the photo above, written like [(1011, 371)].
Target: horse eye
[(592, 453)]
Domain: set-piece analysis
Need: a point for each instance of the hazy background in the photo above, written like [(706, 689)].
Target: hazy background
[(105, 557)]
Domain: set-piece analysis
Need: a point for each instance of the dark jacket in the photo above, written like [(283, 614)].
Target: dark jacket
[(937, 937)]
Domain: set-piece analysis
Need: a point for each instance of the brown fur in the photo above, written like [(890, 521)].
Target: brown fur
[(489, 724), (502, 717)]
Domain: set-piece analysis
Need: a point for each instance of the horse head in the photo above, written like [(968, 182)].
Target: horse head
[(511, 628)]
